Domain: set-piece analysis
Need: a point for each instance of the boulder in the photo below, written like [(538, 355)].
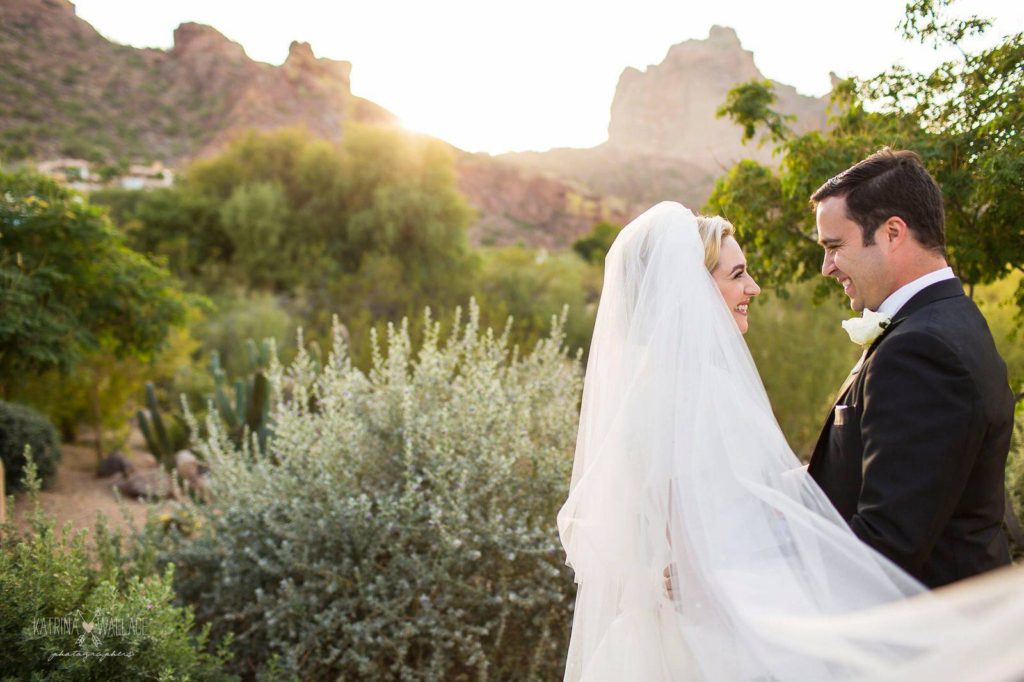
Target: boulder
[(116, 463), (155, 484)]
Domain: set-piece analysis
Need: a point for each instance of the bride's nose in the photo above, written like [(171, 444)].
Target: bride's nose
[(752, 289)]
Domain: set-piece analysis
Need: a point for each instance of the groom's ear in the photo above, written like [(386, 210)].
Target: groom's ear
[(894, 231)]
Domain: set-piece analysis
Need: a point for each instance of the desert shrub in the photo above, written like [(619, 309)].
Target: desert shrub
[(52, 589), (532, 285), (400, 523), (241, 316), (104, 390), (594, 246), (20, 425), (1005, 321)]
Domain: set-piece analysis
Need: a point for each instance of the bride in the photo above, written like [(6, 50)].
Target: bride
[(680, 463)]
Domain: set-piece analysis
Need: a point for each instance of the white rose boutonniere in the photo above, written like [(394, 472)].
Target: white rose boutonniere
[(865, 329)]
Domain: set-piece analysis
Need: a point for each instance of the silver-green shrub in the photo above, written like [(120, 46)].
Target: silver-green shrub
[(400, 523)]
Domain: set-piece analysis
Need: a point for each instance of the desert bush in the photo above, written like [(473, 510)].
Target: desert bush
[(400, 523), (20, 425), (241, 316), (531, 286), (111, 621), (594, 246), (104, 389), (997, 304)]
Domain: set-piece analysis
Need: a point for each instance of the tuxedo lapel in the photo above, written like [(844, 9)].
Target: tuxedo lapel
[(851, 377)]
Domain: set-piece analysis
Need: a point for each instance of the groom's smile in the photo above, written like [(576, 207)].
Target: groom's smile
[(847, 284)]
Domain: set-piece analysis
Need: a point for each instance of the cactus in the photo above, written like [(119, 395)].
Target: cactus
[(250, 408), (154, 429)]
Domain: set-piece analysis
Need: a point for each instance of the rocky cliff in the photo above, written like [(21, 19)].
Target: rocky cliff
[(664, 140), (669, 109), (65, 90)]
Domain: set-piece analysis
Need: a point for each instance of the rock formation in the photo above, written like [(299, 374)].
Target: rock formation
[(669, 109), (65, 90), (664, 139)]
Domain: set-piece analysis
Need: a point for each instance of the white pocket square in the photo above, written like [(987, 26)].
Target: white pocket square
[(840, 415)]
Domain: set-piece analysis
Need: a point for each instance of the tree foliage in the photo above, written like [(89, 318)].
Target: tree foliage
[(593, 247), (70, 286), (284, 211), (371, 228)]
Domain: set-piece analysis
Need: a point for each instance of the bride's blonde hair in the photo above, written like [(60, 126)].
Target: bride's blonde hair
[(713, 229)]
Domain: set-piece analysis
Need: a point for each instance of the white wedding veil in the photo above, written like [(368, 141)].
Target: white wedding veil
[(680, 461)]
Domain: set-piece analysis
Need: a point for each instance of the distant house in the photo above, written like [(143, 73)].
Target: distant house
[(75, 173), (78, 174), (147, 177)]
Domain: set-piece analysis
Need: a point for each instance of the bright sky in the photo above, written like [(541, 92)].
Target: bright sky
[(535, 74)]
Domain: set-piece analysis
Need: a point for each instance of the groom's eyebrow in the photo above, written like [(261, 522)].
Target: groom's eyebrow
[(831, 241)]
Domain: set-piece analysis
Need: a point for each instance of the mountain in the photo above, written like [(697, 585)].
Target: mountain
[(65, 90), (664, 140)]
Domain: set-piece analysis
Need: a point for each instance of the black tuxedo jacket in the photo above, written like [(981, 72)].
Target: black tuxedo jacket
[(914, 450)]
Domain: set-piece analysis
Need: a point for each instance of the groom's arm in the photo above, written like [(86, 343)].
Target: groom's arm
[(918, 428)]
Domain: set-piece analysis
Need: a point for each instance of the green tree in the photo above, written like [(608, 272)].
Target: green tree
[(535, 286), (103, 389), (593, 247), (255, 219), (181, 228), (286, 212), (402, 200), (69, 286), (964, 119)]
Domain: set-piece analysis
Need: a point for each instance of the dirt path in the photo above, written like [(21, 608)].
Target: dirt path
[(78, 495)]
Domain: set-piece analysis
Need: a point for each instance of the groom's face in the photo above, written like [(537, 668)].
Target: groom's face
[(861, 270)]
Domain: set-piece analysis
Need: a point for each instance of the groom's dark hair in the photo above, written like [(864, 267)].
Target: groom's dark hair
[(891, 183)]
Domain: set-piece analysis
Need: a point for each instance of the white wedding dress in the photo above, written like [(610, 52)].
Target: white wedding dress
[(679, 460)]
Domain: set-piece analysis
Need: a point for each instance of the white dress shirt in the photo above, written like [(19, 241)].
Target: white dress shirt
[(899, 298)]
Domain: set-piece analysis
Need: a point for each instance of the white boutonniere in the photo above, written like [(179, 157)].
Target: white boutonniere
[(865, 329)]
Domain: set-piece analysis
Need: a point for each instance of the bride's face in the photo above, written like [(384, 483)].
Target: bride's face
[(735, 283)]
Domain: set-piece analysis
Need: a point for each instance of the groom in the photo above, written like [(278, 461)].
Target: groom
[(913, 452)]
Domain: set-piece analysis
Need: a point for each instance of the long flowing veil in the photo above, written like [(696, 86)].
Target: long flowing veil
[(680, 461)]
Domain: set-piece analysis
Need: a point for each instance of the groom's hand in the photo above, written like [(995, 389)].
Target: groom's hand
[(668, 573)]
